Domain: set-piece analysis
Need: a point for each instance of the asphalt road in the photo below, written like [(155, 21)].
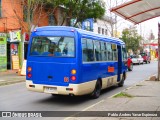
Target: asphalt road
[(16, 97)]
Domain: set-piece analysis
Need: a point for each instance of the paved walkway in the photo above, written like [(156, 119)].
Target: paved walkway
[(139, 102), (10, 77)]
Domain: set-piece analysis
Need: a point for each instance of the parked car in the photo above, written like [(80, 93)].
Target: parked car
[(146, 57), (137, 59), (129, 64)]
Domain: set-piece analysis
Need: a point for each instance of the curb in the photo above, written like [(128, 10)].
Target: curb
[(3, 83), (153, 77), (9, 72)]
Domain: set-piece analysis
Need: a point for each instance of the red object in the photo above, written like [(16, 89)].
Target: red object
[(29, 75), (73, 78), (146, 58), (129, 62), (26, 37)]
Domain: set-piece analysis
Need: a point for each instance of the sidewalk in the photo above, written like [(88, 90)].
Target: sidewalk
[(10, 77), (144, 96)]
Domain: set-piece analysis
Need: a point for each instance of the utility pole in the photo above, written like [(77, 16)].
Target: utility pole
[(116, 35), (158, 52)]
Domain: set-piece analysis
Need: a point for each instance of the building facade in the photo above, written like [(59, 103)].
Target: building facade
[(14, 26)]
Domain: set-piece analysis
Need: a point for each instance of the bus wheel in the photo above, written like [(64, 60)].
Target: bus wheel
[(97, 91), (121, 83)]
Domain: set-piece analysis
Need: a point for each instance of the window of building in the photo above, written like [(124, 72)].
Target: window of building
[(51, 20), (99, 30), (106, 32), (103, 31), (25, 14)]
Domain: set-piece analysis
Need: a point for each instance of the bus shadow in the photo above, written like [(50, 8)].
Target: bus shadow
[(73, 100), (64, 100), (108, 90)]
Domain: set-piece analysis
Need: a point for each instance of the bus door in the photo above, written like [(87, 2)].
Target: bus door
[(112, 65), (122, 61), (119, 61)]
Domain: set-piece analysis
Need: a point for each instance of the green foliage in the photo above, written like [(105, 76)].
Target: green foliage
[(131, 39), (122, 94), (79, 9)]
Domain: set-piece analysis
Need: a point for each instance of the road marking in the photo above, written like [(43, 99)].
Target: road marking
[(2, 80), (93, 105), (72, 116)]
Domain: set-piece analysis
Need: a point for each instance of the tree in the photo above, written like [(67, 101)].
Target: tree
[(114, 22), (28, 14), (131, 39), (35, 11), (81, 10)]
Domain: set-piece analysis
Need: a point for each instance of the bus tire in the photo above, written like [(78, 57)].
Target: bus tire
[(97, 91), (121, 83)]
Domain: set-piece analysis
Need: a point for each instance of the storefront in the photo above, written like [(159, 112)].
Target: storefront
[(13, 50), (3, 52)]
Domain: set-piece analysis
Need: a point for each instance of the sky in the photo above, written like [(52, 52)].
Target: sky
[(144, 28), (148, 26)]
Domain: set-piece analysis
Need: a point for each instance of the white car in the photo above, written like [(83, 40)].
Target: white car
[(137, 59)]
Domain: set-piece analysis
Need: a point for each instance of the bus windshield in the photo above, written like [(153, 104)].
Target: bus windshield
[(53, 46)]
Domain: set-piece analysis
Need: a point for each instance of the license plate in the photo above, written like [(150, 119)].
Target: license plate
[(50, 89)]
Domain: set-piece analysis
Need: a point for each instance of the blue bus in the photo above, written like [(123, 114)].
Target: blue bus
[(69, 61)]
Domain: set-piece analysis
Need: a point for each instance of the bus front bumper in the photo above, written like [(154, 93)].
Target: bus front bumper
[(72, 89)]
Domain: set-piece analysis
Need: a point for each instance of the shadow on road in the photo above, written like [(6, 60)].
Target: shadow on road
[(71, 100)]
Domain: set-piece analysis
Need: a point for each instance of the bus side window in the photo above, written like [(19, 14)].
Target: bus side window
[(103, 51), (90, 50), (109, 50), (124, 54), (84, 50), (97, 51), (114, 50)]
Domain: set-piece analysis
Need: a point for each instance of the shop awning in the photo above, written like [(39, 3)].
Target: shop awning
[(137, 11)]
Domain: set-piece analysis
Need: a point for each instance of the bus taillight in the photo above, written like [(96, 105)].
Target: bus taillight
[(73, 72), (73, 78), (29, 75), (29, 69)]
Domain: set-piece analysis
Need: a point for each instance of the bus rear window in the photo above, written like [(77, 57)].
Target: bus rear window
[(53, 46)]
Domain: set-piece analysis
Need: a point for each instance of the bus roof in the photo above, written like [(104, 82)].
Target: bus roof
[(82, 32)]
